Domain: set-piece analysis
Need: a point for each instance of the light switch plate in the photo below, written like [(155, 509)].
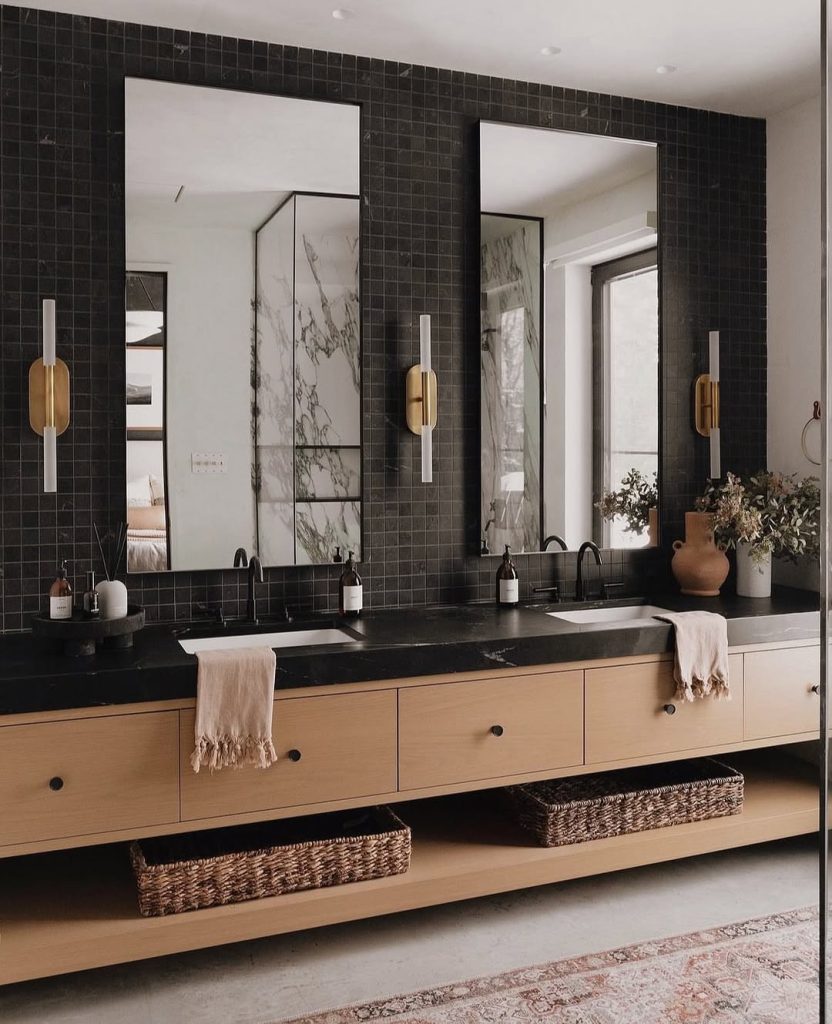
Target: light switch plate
[(207, 462)]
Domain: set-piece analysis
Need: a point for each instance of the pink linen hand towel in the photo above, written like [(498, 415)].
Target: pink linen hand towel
[(701, 665), (234, 699)]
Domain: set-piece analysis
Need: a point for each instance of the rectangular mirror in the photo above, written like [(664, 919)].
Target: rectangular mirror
[(569, 340), (243, 351)]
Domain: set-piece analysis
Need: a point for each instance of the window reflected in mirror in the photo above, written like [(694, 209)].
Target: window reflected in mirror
[(569, 340), (243, 362)]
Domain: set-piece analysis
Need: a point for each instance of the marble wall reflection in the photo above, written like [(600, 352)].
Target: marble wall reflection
[(274, 394), (510, 382), (308, 381)]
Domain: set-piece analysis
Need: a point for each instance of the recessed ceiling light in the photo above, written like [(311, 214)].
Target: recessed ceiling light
[(665, 69), (550, 51), (341, 14)]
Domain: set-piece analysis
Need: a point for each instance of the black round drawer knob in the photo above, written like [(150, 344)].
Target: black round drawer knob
[(816, 688), (56, 783), (669, 709), (497, 730), (294, 755)]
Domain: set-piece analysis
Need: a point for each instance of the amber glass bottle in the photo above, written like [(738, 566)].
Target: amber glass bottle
[(60, 596), (508, 583), (350, 590)]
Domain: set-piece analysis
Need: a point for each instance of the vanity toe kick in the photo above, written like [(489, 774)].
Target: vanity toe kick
[(488, 729)]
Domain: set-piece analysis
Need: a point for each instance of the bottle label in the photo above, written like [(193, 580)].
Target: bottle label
[(353, 598), (509, 591), (60, 607)]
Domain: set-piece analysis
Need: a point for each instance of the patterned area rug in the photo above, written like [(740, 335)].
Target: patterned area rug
[(758, 972)]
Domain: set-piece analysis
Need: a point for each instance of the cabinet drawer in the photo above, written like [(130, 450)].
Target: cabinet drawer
[(626, 716), (464, 732), (106, 774), (779, 700), (347, 746)]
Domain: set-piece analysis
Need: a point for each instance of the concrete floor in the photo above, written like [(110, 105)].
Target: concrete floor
[(287, 976)]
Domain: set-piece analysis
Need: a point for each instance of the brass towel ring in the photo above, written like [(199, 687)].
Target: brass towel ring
[(816, 414)]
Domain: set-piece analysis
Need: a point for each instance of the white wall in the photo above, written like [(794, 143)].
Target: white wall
[(567, 425), (210, 291), (569, 226), (794, 257), (794, 262)]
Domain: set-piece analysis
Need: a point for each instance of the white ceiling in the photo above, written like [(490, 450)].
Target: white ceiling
[(236, 154), (533, 171), (744, 56)]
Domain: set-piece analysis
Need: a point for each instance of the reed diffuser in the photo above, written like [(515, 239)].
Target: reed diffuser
[(112, 593)]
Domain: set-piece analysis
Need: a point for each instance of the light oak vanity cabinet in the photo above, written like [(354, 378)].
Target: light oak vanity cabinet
[(781, 695), (90, 777), (632, 712), (328, 748), (489, 729)]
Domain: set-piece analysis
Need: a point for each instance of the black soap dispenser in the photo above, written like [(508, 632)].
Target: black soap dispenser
[(508, 583)]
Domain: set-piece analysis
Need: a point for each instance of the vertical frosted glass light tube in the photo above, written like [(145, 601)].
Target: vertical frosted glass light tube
[(424, 342), (50, 454), (48, 332), (427, 429), (50, 461), (713, 372)]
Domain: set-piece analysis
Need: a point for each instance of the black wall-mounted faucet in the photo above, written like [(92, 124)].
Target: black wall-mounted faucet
[(587, 545), (255, 576)]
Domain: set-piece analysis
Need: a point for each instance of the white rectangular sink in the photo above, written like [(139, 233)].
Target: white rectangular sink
[(627, 615), (289, 638)]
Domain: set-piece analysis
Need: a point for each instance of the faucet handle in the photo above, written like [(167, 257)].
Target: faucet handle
[(609, 589)]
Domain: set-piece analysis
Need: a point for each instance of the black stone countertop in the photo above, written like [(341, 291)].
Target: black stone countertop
[(394, 644)]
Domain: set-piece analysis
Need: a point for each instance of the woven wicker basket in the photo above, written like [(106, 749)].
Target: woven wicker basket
[(575, 810), (206, 869)]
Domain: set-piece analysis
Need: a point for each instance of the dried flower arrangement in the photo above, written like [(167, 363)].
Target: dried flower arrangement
[(774, 514)]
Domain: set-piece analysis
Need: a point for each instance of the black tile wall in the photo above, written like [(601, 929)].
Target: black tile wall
[(62, 222)]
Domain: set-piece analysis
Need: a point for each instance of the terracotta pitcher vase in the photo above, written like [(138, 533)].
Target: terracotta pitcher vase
[(700, 567)]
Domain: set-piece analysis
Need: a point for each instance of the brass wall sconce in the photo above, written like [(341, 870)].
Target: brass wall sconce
[(49, 398), (420, 399), (706, 404)]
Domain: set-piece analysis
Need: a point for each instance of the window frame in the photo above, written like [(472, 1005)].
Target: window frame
[(602, 276)]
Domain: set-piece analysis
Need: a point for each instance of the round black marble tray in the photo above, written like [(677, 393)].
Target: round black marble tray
[(79, 636)]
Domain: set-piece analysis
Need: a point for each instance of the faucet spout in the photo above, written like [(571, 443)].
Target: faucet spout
[(240, 558), (557, 540), (580, 588), (255, 576)]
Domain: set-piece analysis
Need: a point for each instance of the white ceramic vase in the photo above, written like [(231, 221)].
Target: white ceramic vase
[(753, 575), (112, 599)]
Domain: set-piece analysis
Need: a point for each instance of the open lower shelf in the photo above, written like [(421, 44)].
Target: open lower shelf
[(77, 909)]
